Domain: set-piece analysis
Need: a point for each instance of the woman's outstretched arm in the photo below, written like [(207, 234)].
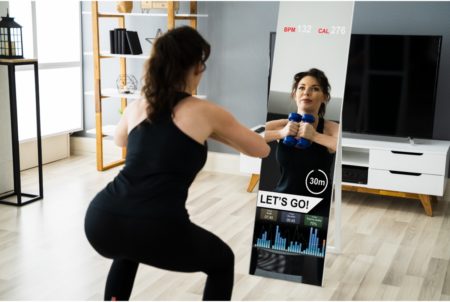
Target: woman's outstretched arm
[(226, 129)]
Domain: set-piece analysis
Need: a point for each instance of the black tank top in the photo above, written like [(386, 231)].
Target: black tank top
[(295, 165), (161, 163)]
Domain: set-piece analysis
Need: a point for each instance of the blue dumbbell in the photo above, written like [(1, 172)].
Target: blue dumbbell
[(303, 142), (291, 140)]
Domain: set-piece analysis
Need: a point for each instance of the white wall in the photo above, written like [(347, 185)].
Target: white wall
[(6, 164), (3, 7)]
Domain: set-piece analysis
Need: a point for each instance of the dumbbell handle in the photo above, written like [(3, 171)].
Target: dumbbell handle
[(291, 140), (303, 142)]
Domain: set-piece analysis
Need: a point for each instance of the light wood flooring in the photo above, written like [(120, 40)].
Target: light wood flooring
[(391, 249)]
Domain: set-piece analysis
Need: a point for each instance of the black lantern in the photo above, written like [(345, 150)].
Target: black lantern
[(10, 39)]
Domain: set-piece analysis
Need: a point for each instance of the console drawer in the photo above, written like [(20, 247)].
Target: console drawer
[(428, 163), (398, 181)]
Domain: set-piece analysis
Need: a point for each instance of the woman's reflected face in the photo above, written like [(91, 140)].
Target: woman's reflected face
[(309, 95)]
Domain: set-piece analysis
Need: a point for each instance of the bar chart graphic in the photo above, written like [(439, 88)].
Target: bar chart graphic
[(280, 243), (263, 242)]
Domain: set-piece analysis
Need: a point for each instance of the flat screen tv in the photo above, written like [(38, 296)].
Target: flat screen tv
[(391, 85)]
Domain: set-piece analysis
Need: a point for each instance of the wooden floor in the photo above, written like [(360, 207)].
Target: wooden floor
[(391, 249)]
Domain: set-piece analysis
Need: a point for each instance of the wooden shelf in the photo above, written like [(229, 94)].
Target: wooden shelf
[(179, 16), (351, 184), (106, 54), (113, 93), (107, 130), (14, 61)]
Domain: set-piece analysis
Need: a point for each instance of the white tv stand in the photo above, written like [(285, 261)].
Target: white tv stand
[(396, 167)]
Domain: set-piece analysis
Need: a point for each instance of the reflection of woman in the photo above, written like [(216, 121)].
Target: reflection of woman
[(311, 93), (140, 217)]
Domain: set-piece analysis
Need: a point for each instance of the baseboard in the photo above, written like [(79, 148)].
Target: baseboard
[(216, 162), (53, 148), (85, 145)]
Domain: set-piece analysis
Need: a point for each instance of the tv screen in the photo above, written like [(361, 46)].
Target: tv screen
[(391, 85)]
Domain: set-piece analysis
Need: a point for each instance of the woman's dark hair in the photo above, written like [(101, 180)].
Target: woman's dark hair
[(320, 76), (173, 55)]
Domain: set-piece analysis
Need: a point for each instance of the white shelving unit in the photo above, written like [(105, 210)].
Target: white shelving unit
[(107, 130), (180, 16), (113, 93), (355, 157), (398, 168), (101, 93), (106, 54)]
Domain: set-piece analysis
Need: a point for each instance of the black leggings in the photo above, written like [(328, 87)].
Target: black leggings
[(176, 246)]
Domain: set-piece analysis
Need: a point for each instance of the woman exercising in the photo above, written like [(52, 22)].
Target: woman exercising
[(311, 93), (140, 217)]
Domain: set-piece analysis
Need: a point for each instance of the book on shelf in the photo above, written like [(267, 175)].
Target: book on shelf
[(112, 46), (116, 41), (133, 42), (123, 41), (124, 48)]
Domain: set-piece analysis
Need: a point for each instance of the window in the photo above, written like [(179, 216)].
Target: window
[(52, 33)]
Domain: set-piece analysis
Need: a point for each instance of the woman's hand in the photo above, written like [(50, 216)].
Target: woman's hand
[(306, 130), (291, 129)]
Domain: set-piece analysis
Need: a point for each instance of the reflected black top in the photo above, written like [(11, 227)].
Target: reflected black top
[(298, 164), (161, 163)]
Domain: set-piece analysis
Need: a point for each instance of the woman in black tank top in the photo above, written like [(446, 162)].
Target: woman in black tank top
[(310, 91), (140, 217)]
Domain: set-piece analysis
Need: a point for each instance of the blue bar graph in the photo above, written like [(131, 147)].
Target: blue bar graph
[(281, 244), (263, 242)]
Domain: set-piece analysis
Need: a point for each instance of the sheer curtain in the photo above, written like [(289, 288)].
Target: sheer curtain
[(52, 34)]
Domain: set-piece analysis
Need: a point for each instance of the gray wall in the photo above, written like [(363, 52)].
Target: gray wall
[(414, 18), (237, 70)]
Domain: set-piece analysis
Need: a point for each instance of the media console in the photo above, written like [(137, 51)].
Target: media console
[(387, 166)]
